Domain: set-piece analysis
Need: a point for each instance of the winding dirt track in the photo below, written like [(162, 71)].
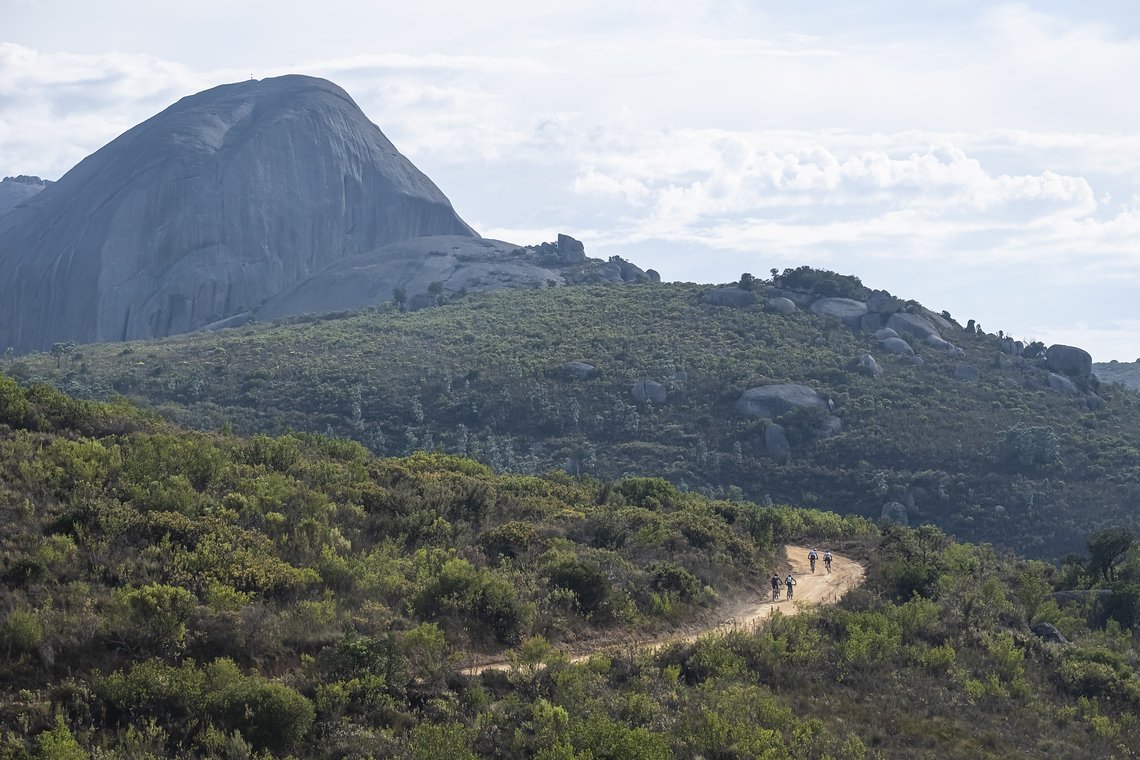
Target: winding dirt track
[(810, 591)]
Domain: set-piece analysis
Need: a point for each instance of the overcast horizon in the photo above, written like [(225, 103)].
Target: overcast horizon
[(982, 159)]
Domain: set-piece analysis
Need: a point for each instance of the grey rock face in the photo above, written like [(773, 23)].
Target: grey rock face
[(940, 321), (1009, 346), (579, 370), (967, 373), (1069, 360), (936, 341), (570, 251), (1049, 632), (871, 322), (771, 401), (894, 511), (456, 262), (885, 333), (911, 324), (730, 296), (780, 305), (1062, 384), (868, 366), (848, 311), (776, 442), (882, 302), (16, 190), (631, 272), (896, 346), (611, 272), (653, 275), (647, 391), (204, 211)]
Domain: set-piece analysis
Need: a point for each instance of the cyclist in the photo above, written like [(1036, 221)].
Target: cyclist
[(827, 560), (812, 556), (775, 585), (790, 582)]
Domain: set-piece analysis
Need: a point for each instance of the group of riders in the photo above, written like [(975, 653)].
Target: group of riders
[(790, 582)]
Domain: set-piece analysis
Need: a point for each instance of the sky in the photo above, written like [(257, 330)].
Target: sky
[(982, 158)]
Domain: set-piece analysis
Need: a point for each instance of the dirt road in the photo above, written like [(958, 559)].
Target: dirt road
[(811, 590)]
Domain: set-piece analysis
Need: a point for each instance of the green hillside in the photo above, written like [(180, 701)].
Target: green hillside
[(176, 594), (1003, 459)]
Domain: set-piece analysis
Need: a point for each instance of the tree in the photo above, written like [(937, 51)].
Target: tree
[(1106, 548), (400, 296), (435, 288), (747, 282)]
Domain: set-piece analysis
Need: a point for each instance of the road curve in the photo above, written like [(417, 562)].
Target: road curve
[(811, 590)]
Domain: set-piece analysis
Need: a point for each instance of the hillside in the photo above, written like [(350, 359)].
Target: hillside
[(975, 440), (176, 594), (1125, 373)]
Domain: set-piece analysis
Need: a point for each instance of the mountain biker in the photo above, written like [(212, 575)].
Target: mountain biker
[(775, 585), (811, 558), (789, 582), (827, 560)]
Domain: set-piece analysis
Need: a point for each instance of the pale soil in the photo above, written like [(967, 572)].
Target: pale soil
[(741, 614)]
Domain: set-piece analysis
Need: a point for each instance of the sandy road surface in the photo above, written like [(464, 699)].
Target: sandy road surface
[(810, 591)]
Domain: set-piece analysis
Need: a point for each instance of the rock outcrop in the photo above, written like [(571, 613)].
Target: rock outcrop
[(780, 305), (896, 346), (647, 391), (455, 262), (771, 401), (1069, 360), (16, 190), (579, 370), (847, 310), (917, 326), (730, 296), (776, 443), (206, 210)]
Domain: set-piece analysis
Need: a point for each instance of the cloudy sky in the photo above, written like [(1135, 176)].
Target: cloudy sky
[(983, 158)]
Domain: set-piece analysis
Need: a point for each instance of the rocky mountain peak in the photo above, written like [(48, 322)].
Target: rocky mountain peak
[(206, 210)]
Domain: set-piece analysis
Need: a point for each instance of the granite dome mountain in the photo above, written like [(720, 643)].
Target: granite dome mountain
[(209, 209)]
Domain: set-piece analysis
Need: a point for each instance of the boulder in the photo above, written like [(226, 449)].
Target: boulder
[(771, 401), (848, 311), (940, 321), (729, 296), (884, 333), (368, 279), (1009, 346), (631, 272), (882, 302), (911, 324), (422, 301), (895, 512), (570, 251), (579, 370), (611, 272), (801, 300), (780, 305), (868, 366), (967, 373), (653, 275), (646, 391), (871, 322), (915, 360), (1062, 384), (1069, 360), (776, 442), (896, 346), (936, 341), (1049, 632)]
